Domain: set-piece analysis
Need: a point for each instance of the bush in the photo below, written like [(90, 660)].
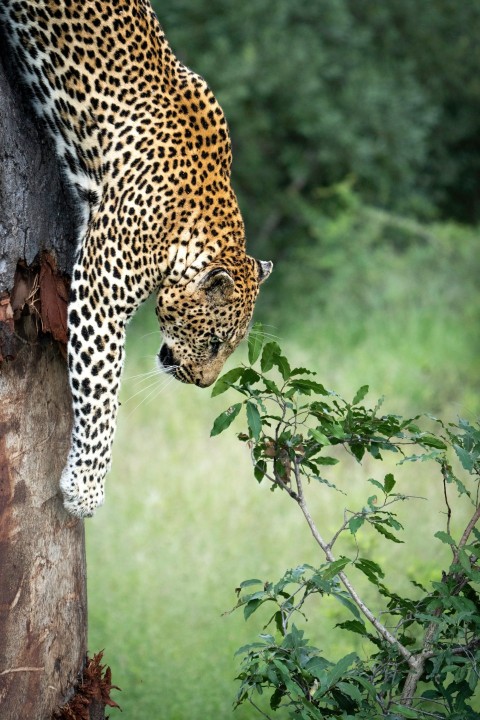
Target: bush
[(422, 652)]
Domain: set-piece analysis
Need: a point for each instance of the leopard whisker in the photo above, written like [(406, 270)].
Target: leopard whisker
[(271, 335), (152, 394), (141, 390), (167, 369), (154, 332), (140, 376), (266, 333)]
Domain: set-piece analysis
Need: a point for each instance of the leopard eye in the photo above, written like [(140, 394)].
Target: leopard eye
[(215, 343)]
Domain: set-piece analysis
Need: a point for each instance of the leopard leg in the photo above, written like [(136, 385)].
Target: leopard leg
[(102, 301)]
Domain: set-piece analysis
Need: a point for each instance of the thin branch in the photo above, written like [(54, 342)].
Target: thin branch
[(463, 540), (460, 650), (377, 512), (343, 527), (258, 709), (295, 608), (381, 629), (277, 480), (449, 509)]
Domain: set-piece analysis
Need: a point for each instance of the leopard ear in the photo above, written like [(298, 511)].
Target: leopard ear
[(264, 270), (218, 286)]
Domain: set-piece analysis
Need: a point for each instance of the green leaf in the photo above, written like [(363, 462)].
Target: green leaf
[(250, 607), (335, 567), (372, 502), (391, 521), (224, 420), (319, 437), (337, 431), (254, 420), (465, 458), (271, 386), (253, 581), (432, 441), (351, 690), (255, 342), (272, 355), (445, 538), (464, 560), (347, 602), (283, 365), (380, 529), (356, 626), (371, 690), (356, 523), (340, 668), (276, 698), (270, 351), (302, 371), (360, 394), (268, 638), (316, 666), (370, 569), (358, 450), (259, 470), (326, 460), (226, 380), (249, 377), (306, 387), (389, 483)]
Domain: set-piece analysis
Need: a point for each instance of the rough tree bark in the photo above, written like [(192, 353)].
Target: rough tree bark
[(42, 553)]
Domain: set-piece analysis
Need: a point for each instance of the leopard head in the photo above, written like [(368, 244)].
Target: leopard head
[(204, 321)]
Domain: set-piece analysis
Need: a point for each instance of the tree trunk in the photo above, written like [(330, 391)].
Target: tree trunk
[(42, 553), (43, 589)]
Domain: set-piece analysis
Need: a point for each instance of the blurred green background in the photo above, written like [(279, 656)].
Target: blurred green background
[(356, 140)]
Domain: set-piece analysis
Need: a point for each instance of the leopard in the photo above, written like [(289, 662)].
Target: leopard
[(144, 146)]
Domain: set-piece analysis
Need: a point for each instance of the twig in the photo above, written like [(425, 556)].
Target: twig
[(449, 509), (277, 480), (361, 513), (381, 629), (258, 709), (343, 527), (466, 534)]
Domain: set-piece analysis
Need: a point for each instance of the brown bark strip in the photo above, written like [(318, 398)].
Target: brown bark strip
[(8, 343), (53, 299), (41, 292)]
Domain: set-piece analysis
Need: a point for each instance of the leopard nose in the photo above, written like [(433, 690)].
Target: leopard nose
[(166, 356)]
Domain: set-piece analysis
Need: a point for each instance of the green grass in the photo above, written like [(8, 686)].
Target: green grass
[(398, 313)]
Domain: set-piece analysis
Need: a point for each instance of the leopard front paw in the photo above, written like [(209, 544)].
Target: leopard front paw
[(83, 490)]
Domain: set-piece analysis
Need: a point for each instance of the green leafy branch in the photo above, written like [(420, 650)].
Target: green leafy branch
[(296, 429)]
